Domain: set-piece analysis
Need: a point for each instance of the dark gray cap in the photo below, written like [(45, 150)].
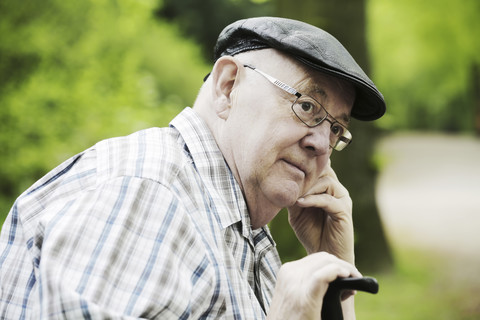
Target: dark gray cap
[(313, 46)]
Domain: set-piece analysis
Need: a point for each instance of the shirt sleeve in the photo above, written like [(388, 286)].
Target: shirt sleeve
[(123, 250)]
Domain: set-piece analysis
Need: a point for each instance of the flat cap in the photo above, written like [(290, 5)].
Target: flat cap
[(312, 46)]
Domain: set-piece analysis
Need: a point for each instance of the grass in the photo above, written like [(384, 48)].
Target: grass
[(421, 286)]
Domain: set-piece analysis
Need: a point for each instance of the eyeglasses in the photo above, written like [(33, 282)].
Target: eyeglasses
[(312, 113)]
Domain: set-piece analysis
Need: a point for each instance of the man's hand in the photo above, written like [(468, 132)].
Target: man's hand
[(302, 284), (322, 218)]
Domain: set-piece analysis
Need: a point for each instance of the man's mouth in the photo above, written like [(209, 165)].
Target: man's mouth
[(296, 166)]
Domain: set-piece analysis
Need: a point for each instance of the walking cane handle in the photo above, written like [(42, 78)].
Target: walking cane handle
[(331, 307)]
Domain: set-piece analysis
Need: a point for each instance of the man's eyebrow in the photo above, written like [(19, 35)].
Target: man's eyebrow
[(345, 117), (319, 92)]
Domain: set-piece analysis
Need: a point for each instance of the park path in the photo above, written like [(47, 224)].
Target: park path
[(428, 195)]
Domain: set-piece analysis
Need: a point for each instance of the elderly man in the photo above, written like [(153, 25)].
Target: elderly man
[(170, 223)]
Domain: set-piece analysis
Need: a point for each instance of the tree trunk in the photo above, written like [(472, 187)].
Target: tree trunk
[(345, 20)]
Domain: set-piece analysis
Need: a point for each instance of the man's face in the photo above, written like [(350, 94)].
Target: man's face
[(274, 156)]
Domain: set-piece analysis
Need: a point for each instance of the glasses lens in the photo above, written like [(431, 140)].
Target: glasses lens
[(340, 142), (309, 111), (337, 130)]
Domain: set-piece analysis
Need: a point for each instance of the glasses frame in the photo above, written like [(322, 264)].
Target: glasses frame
[(341, 142)]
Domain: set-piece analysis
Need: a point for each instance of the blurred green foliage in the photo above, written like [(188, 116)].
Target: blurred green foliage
[(425, 56), (74, 72)]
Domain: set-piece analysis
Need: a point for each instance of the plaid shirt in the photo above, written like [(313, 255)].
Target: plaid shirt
[(152, 225)]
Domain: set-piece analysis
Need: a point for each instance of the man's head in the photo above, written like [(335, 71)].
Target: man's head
[(275, 157), (311, 46)]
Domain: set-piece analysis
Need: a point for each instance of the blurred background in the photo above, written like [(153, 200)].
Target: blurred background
[(75, 72)]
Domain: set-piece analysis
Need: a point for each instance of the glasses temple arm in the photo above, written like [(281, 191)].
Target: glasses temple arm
[(276, 82)]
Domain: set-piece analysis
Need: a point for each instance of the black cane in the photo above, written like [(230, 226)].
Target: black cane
[(331, 307)]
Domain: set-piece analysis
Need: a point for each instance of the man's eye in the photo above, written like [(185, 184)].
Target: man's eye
[(307, 107), (337, 129)]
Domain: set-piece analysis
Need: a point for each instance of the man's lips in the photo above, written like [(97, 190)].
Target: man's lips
[(297, 166)]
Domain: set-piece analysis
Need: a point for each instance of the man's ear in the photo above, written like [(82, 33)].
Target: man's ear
[(224, 76)]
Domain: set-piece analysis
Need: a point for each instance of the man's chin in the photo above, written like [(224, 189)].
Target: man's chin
[(287, 197)]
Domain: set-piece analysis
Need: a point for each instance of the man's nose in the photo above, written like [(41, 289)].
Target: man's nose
[(317, 140)]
